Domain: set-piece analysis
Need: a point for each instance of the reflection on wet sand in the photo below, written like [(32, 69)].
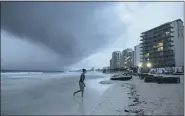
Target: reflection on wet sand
[(80, 102)]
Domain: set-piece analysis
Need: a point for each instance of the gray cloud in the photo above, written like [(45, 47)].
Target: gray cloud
[(74, 30)]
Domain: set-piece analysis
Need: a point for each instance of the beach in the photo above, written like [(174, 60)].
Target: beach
[(36, 94), (52, 94), (151, 98)]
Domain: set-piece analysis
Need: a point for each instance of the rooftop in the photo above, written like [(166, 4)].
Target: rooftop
[(117, 52), (161, 26)]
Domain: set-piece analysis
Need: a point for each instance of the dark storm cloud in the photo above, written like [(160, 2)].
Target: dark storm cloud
[(73, 30)]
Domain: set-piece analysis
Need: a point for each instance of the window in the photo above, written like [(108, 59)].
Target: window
[(167, 33), (147, 54), (160, 49), (160, 44), (161, 54)]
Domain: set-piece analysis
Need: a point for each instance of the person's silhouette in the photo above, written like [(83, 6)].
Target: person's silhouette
[(81, 82)]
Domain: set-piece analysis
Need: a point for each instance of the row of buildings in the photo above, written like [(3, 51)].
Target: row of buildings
[(162, 46), (122, 59)]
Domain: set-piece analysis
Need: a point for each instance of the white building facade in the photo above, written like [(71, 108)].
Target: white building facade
[(178, 42), (137, 55), (127, 58)]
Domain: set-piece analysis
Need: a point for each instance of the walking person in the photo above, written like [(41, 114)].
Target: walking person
[(81, 82)]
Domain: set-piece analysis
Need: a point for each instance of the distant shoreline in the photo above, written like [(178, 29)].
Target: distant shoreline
[(4, 71)]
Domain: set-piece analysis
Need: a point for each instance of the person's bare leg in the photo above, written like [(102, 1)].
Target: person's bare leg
[(81, 87), (82, 91), (76, 92)]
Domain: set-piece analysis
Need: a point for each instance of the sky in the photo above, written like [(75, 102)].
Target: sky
[(73, 35)]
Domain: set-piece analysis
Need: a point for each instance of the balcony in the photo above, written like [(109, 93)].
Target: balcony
[(168, 40), (169, 59), (157, 35), (159, 28), (170, 62), (168, 55), (145, 45), (147, 51), (167, 49), (163, 31), (141, 54), (152, 40), (154, 47)]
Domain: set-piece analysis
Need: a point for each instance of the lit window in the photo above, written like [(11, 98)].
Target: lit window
[(160, 49), (147, 54), (160, 44), (167, 33)]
